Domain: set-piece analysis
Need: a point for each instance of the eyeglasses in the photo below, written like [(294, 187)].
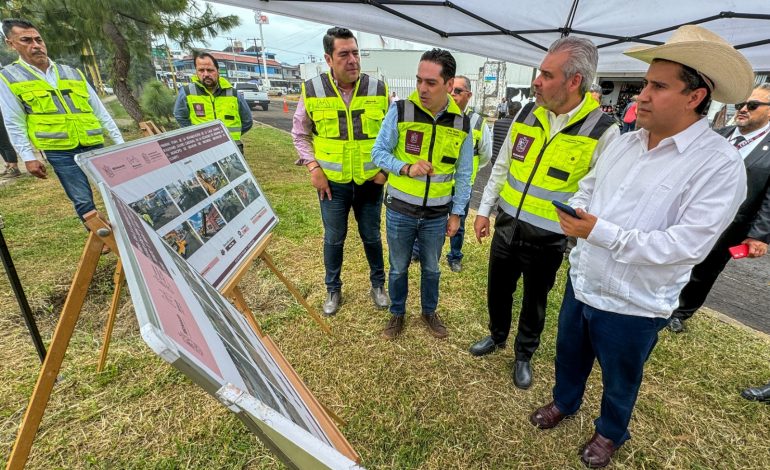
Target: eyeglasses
[(750, 105), (458, 91)]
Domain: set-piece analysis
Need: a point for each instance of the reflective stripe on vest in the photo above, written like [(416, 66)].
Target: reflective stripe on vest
[(58, 118), (343, 136), (205, 106), (438, 142), (544, 170), (476, 122)]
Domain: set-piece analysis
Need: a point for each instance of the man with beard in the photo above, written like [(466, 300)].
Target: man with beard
[(550, 146), (209, 97), (752, 223)]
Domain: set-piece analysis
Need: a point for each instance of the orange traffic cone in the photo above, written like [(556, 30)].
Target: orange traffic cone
[(285, 106)]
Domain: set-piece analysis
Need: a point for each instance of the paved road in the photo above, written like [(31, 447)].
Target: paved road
[(742, 291)]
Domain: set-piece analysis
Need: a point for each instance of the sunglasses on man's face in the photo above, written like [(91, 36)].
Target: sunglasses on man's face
[(458, 91), (750, 105)]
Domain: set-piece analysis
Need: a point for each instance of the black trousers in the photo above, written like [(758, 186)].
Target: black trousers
[(7, 152), (705, 274), (508, 261)]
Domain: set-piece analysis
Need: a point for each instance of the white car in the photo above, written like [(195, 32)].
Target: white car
[(109, 90)]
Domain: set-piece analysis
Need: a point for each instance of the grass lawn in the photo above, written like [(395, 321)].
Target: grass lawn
[(416, 402)]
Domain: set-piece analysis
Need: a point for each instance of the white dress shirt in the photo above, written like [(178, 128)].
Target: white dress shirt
[(15, 118), (660, 212), (748, 148), (499, 174)]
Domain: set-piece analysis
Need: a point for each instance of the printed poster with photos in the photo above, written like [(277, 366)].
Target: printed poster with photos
[(192, 326), (192, 186)]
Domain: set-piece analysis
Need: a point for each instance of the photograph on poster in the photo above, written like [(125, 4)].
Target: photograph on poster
[(232, 166), (208, 330), (180, 163), (156, 208), (211, 178), (207, 222), (186, 192), (229, 205), (183, 240), (247, 191)]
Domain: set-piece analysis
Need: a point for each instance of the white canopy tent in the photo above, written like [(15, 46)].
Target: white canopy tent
[(520, 31)]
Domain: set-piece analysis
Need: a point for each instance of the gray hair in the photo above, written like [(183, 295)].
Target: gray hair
[(595, 88), (467, 81), (583, 58), (764, 86)]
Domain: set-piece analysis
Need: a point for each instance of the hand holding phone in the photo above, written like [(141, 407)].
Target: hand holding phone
[(565, 208), (739, 251)]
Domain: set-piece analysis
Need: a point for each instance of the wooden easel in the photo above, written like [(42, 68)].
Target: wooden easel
[(99, 236)]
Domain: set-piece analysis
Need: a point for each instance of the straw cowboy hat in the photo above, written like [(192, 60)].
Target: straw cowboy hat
[(709, 54)]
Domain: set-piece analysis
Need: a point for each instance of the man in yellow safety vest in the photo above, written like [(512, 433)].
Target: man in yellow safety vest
[(426, 145), (209, 97), (51, 107), (337, 119), (550, 147)]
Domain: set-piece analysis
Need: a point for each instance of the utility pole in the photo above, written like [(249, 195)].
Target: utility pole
[(232, 51), (170, 63), (260, 20)]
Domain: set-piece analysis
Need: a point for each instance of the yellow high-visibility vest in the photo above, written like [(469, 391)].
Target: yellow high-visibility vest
[(57, 118), (343, 136), (205, 107), (438, 142), (544, 170)]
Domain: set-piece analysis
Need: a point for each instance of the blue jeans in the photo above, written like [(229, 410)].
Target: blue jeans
[(456, 241), (402, 231), (621, 344), (366, 202), (72, 178)]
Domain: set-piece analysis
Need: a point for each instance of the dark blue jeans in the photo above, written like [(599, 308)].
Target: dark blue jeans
[(402, 232), (366, 202), (621, 344), (456, 241), (72, 178)]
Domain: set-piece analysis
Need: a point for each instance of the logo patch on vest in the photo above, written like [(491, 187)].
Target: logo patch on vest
[(199, 111), (413, 142), (521, 147)]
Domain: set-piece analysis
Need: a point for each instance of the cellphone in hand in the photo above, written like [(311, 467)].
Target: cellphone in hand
[(565, 208), (739, 251)]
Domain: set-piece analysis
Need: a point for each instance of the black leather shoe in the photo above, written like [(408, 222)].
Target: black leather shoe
[(522, 374), (485, 346), (332, 304), (676, 325), (757, 393)]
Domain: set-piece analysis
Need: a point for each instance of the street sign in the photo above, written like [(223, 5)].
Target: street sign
[(490, 78), (260, 18)]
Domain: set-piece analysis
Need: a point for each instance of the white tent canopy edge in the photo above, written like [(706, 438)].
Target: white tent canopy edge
[(521, 31)]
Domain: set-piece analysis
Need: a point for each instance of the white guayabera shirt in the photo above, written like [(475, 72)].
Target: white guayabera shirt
[(660, 212)]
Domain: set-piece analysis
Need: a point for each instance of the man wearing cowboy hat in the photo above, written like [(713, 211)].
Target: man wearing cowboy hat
[(649, 211)]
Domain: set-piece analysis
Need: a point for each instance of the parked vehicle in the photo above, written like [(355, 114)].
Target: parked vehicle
[(252, 95)]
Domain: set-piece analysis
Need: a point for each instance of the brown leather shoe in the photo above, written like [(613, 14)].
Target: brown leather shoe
[(597, 452), (394, 327), (435, 326), (547, 417)]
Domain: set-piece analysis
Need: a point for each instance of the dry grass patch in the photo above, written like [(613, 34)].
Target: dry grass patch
[(416, 402)]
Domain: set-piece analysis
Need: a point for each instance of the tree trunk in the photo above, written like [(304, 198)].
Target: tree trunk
[(121, 64)]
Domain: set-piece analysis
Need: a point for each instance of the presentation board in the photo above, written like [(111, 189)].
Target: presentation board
[(189, 324), (193, 187)]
